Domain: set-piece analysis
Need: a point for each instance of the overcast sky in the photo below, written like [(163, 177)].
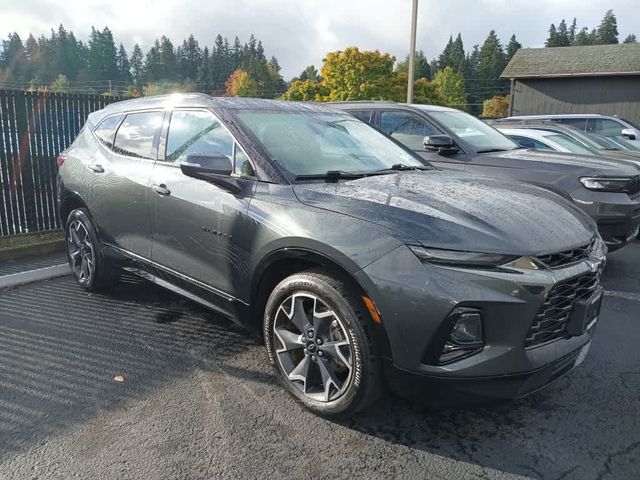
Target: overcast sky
[(299, 33)]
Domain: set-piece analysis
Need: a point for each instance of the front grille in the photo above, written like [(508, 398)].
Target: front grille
[(568, 257), (634, 187), (551, 321)]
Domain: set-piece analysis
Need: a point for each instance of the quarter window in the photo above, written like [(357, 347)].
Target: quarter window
[(196, 132), (407, 128), (136, 134), (107, 130)]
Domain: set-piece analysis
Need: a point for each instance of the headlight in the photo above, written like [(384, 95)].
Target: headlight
[(463, 259), (607, 184)]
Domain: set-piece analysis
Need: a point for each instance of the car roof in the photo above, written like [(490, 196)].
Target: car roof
[(201, 100), (567, 115), (359, 104)]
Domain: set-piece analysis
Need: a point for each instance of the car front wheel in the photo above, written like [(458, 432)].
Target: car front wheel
[(315, 330)]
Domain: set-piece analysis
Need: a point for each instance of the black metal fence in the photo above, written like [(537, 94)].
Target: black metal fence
[(34, 128)]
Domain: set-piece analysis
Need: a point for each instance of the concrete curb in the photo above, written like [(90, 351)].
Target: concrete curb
[(34, 249), (34, 275)]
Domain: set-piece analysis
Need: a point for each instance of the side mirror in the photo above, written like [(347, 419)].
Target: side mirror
[(440, 143), (213, 167), (629, 133)]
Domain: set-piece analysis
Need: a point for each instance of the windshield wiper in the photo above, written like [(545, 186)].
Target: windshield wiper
[(491, 150), (331, 175), (400, 167)]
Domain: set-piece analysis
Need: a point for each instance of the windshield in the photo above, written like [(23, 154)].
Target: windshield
[(476, 133), (313, 143), (570, 144)]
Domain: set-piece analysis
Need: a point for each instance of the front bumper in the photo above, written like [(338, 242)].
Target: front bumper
[(415, 301), (446, 391), (617, 215)]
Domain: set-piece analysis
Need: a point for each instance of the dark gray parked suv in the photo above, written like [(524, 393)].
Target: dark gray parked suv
[(608, 190), (361, 265)]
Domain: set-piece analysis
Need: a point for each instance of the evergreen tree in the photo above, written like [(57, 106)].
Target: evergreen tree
[(512, 47), (453, 55), (422, 69), (552, 39), (573, 30), (584, 37), (631, 38), (124, 66), (471, 81), (13, 59), (491, 63), (607, 32), (101, 61), (136, 63), (168, 60), (563, 35), (204, 71), (190, 57)]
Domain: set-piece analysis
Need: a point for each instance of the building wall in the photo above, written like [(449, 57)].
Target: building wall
[(605, 95)]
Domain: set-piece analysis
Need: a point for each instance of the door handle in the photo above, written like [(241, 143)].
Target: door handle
[(95, 168), (161, 189)]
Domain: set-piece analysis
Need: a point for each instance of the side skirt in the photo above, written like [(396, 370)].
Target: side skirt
[(220, 302)]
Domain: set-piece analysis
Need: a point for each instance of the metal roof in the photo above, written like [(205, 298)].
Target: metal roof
[(593, 60)]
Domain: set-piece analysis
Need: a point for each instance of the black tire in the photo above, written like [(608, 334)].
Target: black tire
[(351, 321), (97, 274)]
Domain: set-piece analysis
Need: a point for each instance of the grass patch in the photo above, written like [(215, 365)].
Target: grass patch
[(15, 241)]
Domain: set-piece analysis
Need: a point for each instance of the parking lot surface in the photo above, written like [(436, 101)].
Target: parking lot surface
[(140, 383)]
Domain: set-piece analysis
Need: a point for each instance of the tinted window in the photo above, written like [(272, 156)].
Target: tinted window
[(364, 115), (529, 142), (407, 128), (107, 130), (196, 132), (579, 123), (476, 133), (135, 135), (604, 126)]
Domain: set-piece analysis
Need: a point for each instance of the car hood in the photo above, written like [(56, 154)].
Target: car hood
[(578, 164), (457, 211)]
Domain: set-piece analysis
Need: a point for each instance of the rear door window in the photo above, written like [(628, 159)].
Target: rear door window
[(137, 133), (579, 123), (408, 128), (364, 115), (605, 127), (106, 130)]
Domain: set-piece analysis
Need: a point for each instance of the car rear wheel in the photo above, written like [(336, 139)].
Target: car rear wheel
[(315, 330), (91, 269)]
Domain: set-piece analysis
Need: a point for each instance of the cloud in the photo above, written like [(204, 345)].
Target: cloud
[(300, 33)]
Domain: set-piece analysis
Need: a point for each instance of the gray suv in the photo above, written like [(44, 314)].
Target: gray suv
[(360, 265), (608, 190)]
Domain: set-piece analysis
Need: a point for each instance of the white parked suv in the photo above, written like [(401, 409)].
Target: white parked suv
[(608, 126)]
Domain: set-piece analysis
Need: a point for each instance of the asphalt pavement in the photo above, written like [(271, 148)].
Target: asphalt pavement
[(140, 383)]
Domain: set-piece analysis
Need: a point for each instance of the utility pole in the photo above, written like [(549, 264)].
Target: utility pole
[(412, 50)]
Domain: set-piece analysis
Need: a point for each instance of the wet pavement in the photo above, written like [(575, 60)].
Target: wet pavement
[(141, 383)]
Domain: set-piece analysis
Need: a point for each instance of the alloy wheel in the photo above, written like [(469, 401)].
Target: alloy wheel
[(81, 251), (313, 348)]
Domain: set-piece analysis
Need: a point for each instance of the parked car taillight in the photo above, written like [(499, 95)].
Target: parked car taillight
[(59, 160)]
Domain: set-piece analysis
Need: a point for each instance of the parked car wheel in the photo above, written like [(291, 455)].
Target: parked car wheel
[(316, 338), (88, 265)]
